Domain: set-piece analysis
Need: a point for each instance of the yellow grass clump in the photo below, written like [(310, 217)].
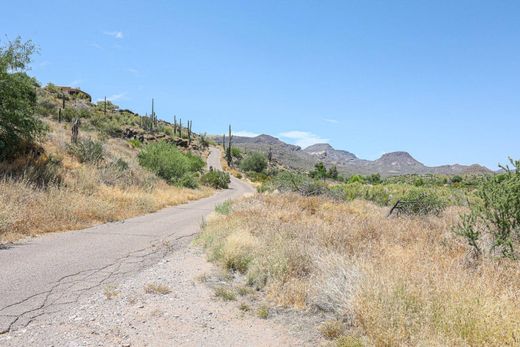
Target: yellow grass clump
[(404, 281)]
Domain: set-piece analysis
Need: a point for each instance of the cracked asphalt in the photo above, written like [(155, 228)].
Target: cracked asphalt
[(53, 272)]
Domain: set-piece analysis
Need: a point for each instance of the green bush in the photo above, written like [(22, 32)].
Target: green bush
[(236, 153), (254, 161), (166, 161), (497, 215), (189, 180), (224, 208), (216, 179), (87, 151), (421, 202), (19, 125)]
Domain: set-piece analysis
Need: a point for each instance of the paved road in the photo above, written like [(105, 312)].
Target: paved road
[(46, 274)]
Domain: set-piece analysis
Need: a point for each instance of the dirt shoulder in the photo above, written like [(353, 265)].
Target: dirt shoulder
[(170, 303)]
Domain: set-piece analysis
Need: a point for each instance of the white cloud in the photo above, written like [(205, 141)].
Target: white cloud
[(245, 133), (44, 63), (134, 72), (331, 120), (95, 45), (114, 34), (115, 97), (303, 138)]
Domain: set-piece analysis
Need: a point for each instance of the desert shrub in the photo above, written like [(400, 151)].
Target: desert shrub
[(40, 171), (456, 179), (254, 161), (319, 172), (46, 108), (216, 179), (87, 151), (421, 202), (19, 125), (374, 179), (257, 176), (498, 214), (236, 153), (71, 113), (167, 162), (356, 179), (135, 143), (223, 208), (189, 180)]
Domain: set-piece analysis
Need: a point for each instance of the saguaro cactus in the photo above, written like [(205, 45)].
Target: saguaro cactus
[(190, 122), (75, 130), (229, 157), (224, 142)]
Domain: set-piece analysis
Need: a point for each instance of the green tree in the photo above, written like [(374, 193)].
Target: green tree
[(319, 172), (333, 173), (19, 126)]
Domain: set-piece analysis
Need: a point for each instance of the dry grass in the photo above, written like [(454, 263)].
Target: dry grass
[(88, 194), (225, 294), (157, 288), (400, 281), (332, 329), (110, 292)]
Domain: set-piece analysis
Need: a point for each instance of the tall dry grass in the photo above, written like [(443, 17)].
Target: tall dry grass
[(82, 194), (396, 281)]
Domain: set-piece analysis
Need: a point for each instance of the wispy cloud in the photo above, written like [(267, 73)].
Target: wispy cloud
[(331, 120), (115, 97), (134, 72), (303, 138), (95, 45), (114, 34), (245, 133), (44, 63)]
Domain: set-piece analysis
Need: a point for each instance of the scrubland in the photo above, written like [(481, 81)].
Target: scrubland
[(55, 191), (399, 281)]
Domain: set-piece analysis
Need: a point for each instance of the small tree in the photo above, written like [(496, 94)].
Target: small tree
[(19, 125), (333, 173), (319, 172), (498, 215)]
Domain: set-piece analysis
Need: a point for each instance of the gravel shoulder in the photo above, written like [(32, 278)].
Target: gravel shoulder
[(167, 304)]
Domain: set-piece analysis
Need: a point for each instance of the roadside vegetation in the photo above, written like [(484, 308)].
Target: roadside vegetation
[(442, 269), (67, 162)]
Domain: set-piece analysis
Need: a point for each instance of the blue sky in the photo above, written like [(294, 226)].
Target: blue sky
[(439, 79)]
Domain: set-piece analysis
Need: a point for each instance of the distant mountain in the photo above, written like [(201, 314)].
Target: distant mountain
[(389, 164), (326, 152)]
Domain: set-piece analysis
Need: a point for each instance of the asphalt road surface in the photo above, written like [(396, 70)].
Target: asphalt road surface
[(46, 274)]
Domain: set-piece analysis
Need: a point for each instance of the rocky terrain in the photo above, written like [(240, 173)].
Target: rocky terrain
[(389, 164)]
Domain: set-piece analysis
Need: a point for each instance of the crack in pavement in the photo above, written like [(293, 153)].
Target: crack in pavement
[(88, 280)]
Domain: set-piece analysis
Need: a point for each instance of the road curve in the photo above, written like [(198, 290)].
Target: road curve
[(45, 274)]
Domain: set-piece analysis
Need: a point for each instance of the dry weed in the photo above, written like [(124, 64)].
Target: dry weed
[(400, 281)]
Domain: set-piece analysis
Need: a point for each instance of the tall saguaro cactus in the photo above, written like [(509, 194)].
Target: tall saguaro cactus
[(75, 130), (190, 123), (229, 157), (174, 125), (153, 116), (224, 142)]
